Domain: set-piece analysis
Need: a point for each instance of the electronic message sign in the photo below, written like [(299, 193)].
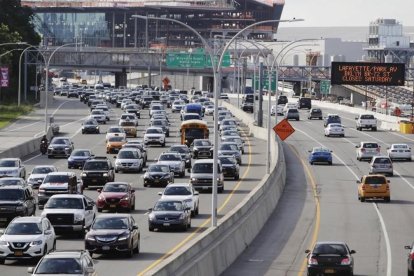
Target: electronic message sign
[(363, 73)]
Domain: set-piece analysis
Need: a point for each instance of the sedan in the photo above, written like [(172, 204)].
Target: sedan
[(320, 155), (116, 196), (129, 160), (115, 143), (60, 146), (154, 135), (12, 167), (277, 109), (315, 113), (113, 233), (185, 192), (399, 151), (169, 213), (328, 258), (334, 130), (115, 131), (78, 158), (38, 174), (185, 153), (174, 161), (158, 174), (232, 149), (90, 126), (230, 167)]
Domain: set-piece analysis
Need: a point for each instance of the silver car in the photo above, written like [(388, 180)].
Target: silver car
[(367, 150), (382, 165), (174, 160), (129, 159)]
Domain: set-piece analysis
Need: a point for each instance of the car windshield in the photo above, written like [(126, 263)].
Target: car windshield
[(367, 117), (335, 125), (203, 143), (13, 181), (59, 178), (180, 149), (320, 150), (115, 188), (90, 122), (116, 139), (370, 145), (228, 123), (168, 206), (59, 141), (202, 168), (375, 180), (127, 154), (129, 117), (235, 140), (159, 168), (170, 157), (400, 146), (81, 153), (174, 190), (154, 131), (64, 203), (59, 266), (24, 228), (115, 130), (12, 195), (382, 160), (337, 249), (191, 117), (42, 170), (8, 163), (96, 165), (158, 123), (230, 133), (228, 147), (97, 112), (110, 223), (227, 160)]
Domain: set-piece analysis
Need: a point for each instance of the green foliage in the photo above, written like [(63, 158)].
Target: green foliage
[(8, 113)]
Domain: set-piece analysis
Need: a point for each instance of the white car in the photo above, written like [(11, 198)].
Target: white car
[(98, 115), (184, 192), (128, 117), (39, 173), (209, 110), (115, 131), (174, 160), (367, 150), (399, 151), (277, 109), (12, 167), (334, 130), (177, 106), (290, 106), (129, 159), (106, 110), (125, 102), (27, 238), (154, 135)]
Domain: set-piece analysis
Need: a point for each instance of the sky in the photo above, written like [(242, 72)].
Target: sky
[(325, 13)]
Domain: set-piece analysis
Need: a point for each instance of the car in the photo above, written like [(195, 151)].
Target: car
[(177, 105), (129, 128), (12, 167), (224, 97), (16, 201), (70, 213), (78, 158), (158, 175), (366, 121), (113, 233), (304, 102), (116, 196), (202, 175), (97, 172), (374, 186), (69, 262), (184, 151), (367, 150), (137, 144), (282, 100), (154, 135), (381, 165), (98, 115), (10, 181), (155, 107), (162, 124), (292, 114), (231, 132), (230, 166), (115, 131), (331, 118), (185, 192), (133, 108), (90, 126), (128, 117), (277, 109), (320, 155), (115, 143), (410, 259), (289, 106), (399, 151), (201, 148), (174, 161), (169, 214), (209, 109), (125, 102), (60, 146), (234, 139), (38, 174), (330, 257), (27, 238), (247, 107), (232, 149), (129, 160), (315, 113), (105, 110), (190, 116), (334, 130), (228, 122)]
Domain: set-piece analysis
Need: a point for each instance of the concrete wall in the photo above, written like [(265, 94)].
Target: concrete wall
[(216, 249)]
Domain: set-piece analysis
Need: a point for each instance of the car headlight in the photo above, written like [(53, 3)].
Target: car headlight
[(101, 198), (39, 242), (41, 190), (90, 238), (151, 217), (165, 176), (67, 148), (125, 198), (97, 127), (193, 179), (117, 163), (50, 147), (105, 175), (83, 127), (78, 217), (123, 237), (182, 216), (83, 174), (20, 208), (188, 201), (4, 243)]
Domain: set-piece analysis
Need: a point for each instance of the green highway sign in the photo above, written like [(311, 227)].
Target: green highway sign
[(265, 82), (196, 59), (225, 63), (325, 87)]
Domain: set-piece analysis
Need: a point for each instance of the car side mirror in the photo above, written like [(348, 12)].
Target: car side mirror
[(133, 191), (150, 209), (159, 193), (188, 208), (388, 148), (357, 146), (134, 227), (114, 156), (309, 151), (352, 252), (48, 232), (408, 247), (196, 193), (356, 118), (90, 270), (98, 190), (307, 251), (189, 170), (89, 207), (144, 171), (358, 181), (388, 181), (30, 270)]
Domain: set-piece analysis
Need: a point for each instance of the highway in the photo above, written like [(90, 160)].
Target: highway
[(320, 204), (154, 245)]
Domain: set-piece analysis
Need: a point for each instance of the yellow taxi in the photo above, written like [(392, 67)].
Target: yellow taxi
[(129, 128), (374, 186), (115, 143)]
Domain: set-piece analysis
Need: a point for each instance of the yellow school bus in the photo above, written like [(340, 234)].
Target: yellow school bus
[(193, 129)]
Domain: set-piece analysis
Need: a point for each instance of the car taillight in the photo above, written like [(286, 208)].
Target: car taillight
[(363, 187), (412, 256), (313, 261), (346, 261), (362, 150)]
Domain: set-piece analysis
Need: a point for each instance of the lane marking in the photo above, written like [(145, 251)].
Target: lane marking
[(199, 228), (383, 226)]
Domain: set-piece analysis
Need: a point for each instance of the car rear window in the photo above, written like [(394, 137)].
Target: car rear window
[(367, 117), (375, 180), (337, 249), (370, 145), (382, 160)]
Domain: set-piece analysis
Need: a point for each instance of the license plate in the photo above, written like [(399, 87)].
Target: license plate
[(105, 247), (166, 224), (112, 206), (329, 270), (94, 180), (18, 253)]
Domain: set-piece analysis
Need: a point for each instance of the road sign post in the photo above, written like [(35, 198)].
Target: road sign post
[(283, 129)]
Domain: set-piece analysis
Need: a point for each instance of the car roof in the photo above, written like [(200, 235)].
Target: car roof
[(179, 185), (10, 159), (68, 196), (204, 161), (65, 254), (61, 173), (27, 219), (112, 215)]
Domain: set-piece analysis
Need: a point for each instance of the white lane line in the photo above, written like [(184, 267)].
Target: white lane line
[(383, 226), (402, 136), (25, 126)]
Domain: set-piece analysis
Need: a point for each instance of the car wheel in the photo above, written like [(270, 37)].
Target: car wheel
[(236, 177), (45, 250), (362, 199), (49, 156), (410, 273), (130, 252), (137, 249), (99, 210), (2, 261), (197, 210), (163, 144), (374, 129), (54, 245), (387, 199), (310, 162), (220, 190), (330, 162), (145, 185), (116, 171), (150, 228)]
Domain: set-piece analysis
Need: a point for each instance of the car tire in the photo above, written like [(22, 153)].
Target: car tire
[(197, 210), (2, 261), (54, 245), (150, 228), (130, 252), (410, 273), (387, 199), (330, 163), (137, 248), (311, 162), (374, 129), (45, 250), (163, 145), (236, 177), (362, 199), (99, 210), (116, 171), (220, 190)]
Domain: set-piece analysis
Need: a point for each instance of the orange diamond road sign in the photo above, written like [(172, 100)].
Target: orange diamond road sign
[(283, 129)]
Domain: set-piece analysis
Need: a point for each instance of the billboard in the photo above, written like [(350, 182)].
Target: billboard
[(368, 73), (4, 77)]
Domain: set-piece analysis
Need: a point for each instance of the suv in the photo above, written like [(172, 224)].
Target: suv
[(292, 114), (202, 175), (16, 201), (282, 99), (374, 186), (70, 212), (97, 172), (64, 263), (367, 150), (12, 167), (381, 165), (305, 103)]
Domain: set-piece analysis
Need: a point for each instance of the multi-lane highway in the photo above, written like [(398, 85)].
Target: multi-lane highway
[(154, 245), (320, 203)]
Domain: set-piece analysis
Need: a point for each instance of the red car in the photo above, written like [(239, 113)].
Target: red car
[(116, 196)]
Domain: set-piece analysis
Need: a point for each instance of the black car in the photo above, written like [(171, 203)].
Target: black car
[(304, 103), (247, 107), (201, 148), (60, 146), (229, 166), (330, 258), (16, 201), (158, 175), (113, 233), (282, 99), (90, 126), (170, 214), (162, 124), (97, 172), (133, 108), (315, 113), (146, 101)]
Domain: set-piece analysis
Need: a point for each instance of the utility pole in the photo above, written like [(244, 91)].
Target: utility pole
[(260, 111)]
